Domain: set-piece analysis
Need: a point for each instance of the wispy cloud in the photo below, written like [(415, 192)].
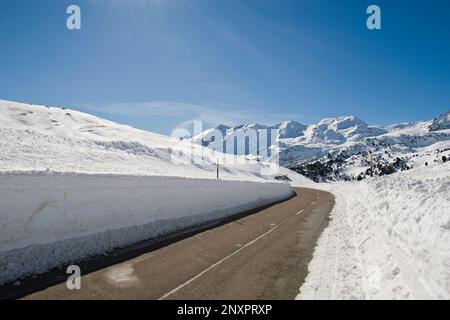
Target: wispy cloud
[(230, 115)]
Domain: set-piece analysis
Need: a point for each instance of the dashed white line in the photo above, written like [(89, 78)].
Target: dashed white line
[(220, 261), (226, 258)]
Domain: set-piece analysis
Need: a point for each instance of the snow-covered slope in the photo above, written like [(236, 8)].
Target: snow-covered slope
[(342, 129), (442, 122), (388, 238), (40, 138), (289, 130), (402, 148), (73, 185)]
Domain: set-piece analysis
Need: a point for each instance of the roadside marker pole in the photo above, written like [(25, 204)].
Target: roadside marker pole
[(217, 168)]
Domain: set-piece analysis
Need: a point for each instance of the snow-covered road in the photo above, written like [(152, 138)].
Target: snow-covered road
[(262, 255)]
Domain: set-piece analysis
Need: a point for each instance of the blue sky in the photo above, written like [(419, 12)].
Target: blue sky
[(156, 64)]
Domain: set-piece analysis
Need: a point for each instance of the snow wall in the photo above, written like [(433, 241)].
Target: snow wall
[(50, 219)]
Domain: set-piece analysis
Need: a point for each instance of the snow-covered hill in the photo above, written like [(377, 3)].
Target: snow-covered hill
[(36, 137), (343, 148)]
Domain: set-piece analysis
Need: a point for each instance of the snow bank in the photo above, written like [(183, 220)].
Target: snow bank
[(389, 238), (47, 219)]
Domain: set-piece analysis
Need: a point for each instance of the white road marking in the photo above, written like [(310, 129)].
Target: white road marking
[(220, 261), (226, 258)]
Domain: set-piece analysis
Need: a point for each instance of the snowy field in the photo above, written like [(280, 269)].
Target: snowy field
[(389, 238), (73, 185)]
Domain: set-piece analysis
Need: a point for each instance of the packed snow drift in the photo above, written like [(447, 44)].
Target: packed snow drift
[(388, 238), (49, 219), (73, 185)]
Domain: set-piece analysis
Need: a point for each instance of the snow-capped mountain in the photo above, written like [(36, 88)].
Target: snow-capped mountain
[(342, 148), (342, 129), (290, 130), (442, 122)]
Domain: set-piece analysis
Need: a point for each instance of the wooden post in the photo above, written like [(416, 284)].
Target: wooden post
[(217, 168), (371, 163)]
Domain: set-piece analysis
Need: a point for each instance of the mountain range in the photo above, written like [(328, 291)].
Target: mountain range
[(342, 148)]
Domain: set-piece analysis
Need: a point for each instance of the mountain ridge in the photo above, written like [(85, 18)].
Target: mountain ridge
[(338, 148)]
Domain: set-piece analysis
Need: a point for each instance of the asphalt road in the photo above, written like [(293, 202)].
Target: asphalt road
[(264, 255)]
